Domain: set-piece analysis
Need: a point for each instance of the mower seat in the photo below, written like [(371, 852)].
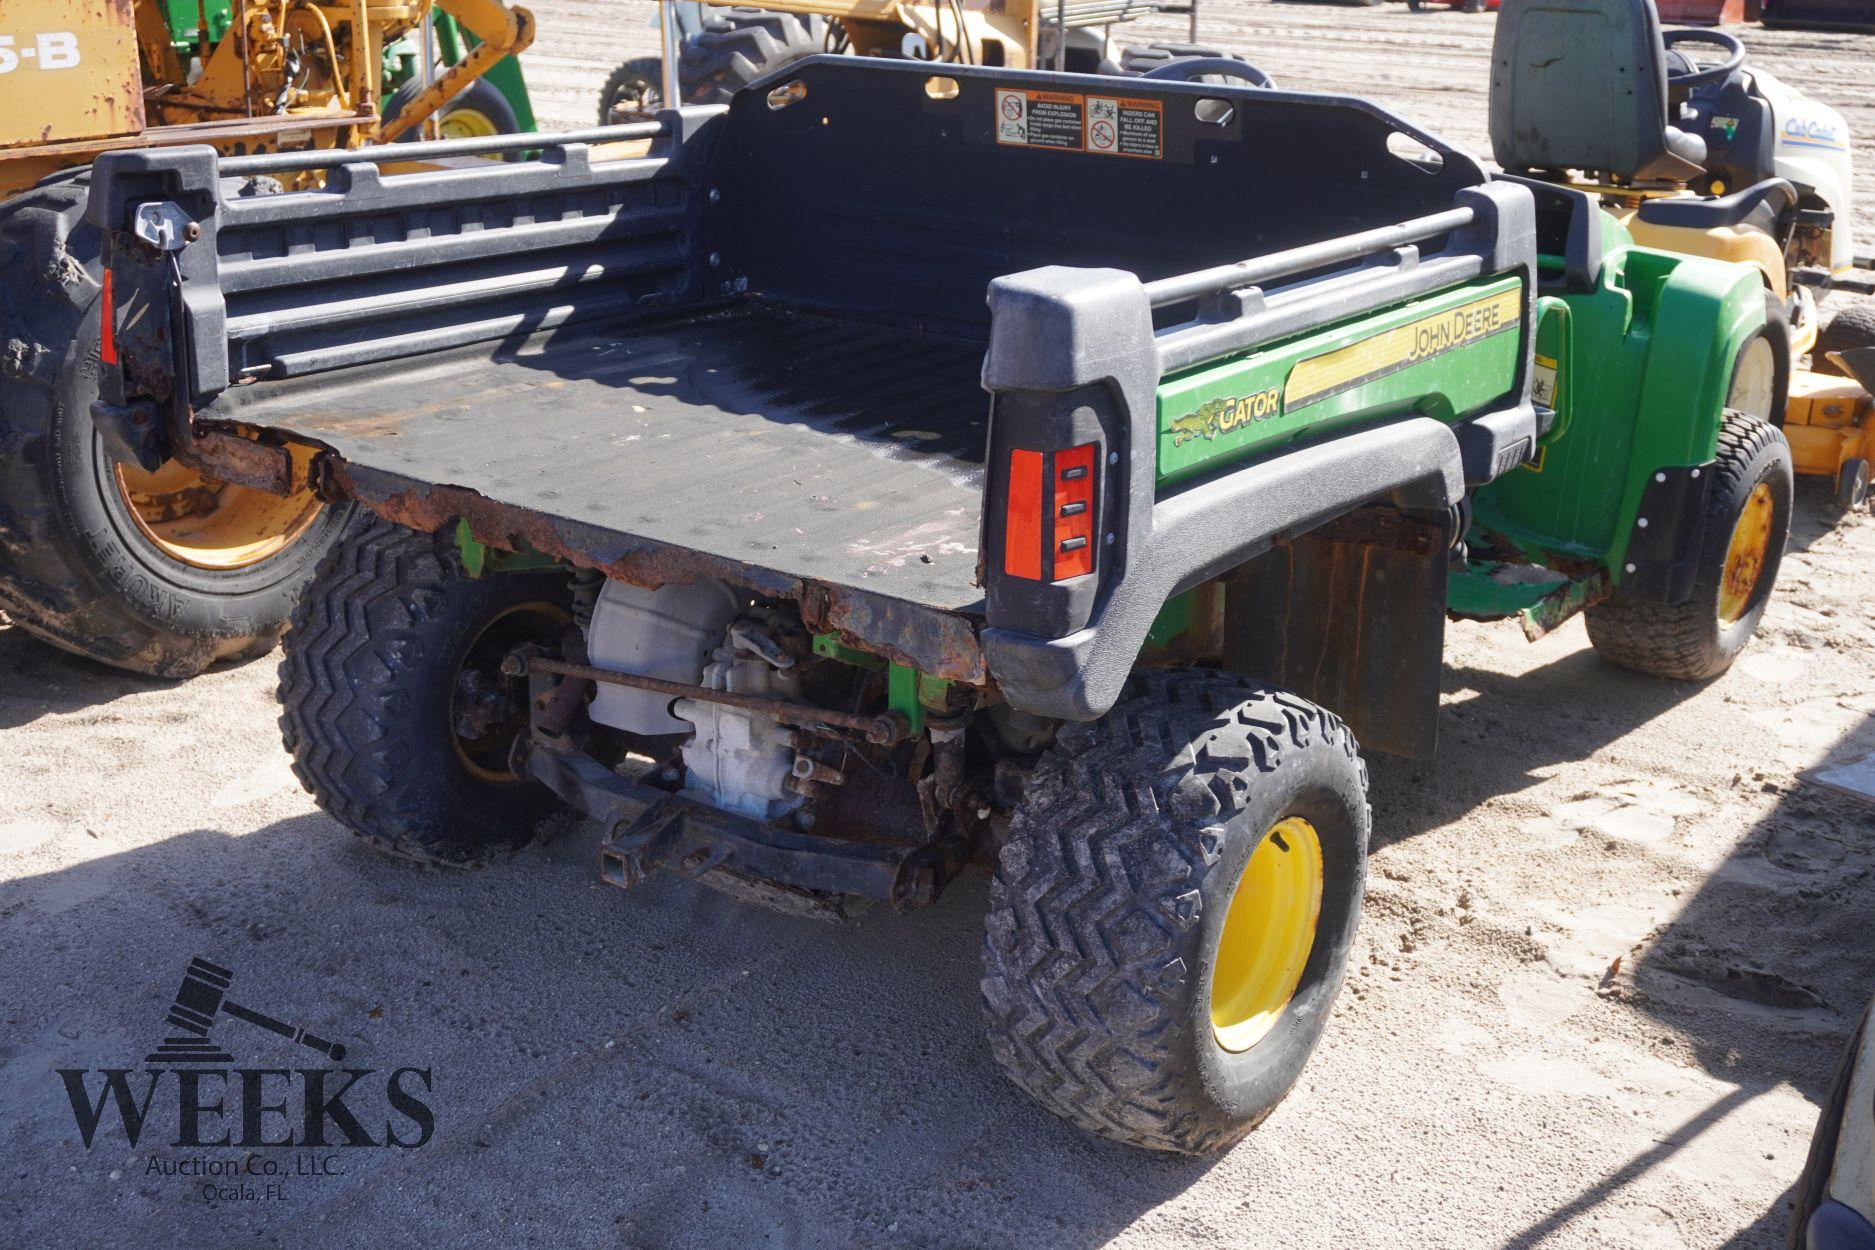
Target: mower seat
[(1582, 84), (1757, 207)]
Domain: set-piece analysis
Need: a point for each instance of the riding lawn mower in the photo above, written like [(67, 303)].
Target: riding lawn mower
[(1721, 160)]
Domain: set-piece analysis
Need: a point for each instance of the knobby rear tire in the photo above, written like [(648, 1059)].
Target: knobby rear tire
[(366, 682), (1109, 898)]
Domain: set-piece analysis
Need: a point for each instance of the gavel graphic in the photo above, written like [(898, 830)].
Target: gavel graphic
[(203, 995)]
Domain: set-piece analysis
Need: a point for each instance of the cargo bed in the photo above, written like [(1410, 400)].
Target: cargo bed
[(805, 446), (806, 342)]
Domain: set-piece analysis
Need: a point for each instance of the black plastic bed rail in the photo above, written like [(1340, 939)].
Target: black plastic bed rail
[(247, 282)]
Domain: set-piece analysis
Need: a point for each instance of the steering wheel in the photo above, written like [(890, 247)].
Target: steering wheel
[(1192, 68), (1712, 73)]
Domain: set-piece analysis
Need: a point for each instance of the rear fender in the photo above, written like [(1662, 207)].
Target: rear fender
[(1703, 312)]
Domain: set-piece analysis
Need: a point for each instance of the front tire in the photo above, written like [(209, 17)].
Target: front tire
[(1131, 985), (1747, 525), (394, 709)]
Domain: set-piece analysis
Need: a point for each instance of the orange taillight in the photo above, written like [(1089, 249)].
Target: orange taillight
[(1022, 523), (1048, 527)]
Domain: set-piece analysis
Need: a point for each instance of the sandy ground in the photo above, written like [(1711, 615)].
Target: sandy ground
[(665, 1068), (1612, 944)]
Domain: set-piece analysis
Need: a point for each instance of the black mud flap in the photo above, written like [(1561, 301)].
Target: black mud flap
[(1351, 616)]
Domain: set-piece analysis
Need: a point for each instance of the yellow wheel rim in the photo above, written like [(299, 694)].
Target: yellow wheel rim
[(467, 123), (486, 756), (1744, 555), (1268, 934), (213, 525)]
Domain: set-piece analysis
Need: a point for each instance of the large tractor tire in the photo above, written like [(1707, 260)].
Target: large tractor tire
[(397, 716), (1747, 524), (737, 46), (1171, 917), (160, 573), (733, 49), (633, 92), (1144, 58), (478, 111)]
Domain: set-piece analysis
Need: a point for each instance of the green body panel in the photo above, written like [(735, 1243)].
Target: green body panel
[(401, 62), (1650, 356), (400, 55), (914, 694), (1258, 401), (1172, 622), (830, 647), (901, 695), (478, 558), (185, 17), (907, 690), (1484, 590), (506, 75), (1479, 592)]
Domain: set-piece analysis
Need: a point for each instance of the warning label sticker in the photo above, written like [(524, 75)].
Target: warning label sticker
[(1039, 119), (1125, 127), (1076, 123), (1543, 381)]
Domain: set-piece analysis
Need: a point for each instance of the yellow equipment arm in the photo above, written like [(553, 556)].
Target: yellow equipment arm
[(502, 31)]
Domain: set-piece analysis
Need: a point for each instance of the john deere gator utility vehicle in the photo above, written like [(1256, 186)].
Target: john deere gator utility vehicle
[(822, 533), (1719, 160), (160, 567)]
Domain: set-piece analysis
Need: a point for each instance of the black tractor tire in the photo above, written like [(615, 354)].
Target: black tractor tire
[(1109, 900), (737, 46), (1852, 326), (1148, 57), (1688, 641), (75, 569), (480, 96), (1852, 485), (635, 88), (369, 683)]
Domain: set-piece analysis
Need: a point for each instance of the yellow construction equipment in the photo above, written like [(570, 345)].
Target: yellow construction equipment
[(162, 569), (240, 75), (721, 46)]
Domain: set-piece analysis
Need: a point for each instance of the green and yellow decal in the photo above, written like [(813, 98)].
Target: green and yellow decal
[(1331, 373), (1445, 355)]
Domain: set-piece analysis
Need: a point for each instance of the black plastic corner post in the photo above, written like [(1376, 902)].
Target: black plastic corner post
[(169, 317), (1071, 362)]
